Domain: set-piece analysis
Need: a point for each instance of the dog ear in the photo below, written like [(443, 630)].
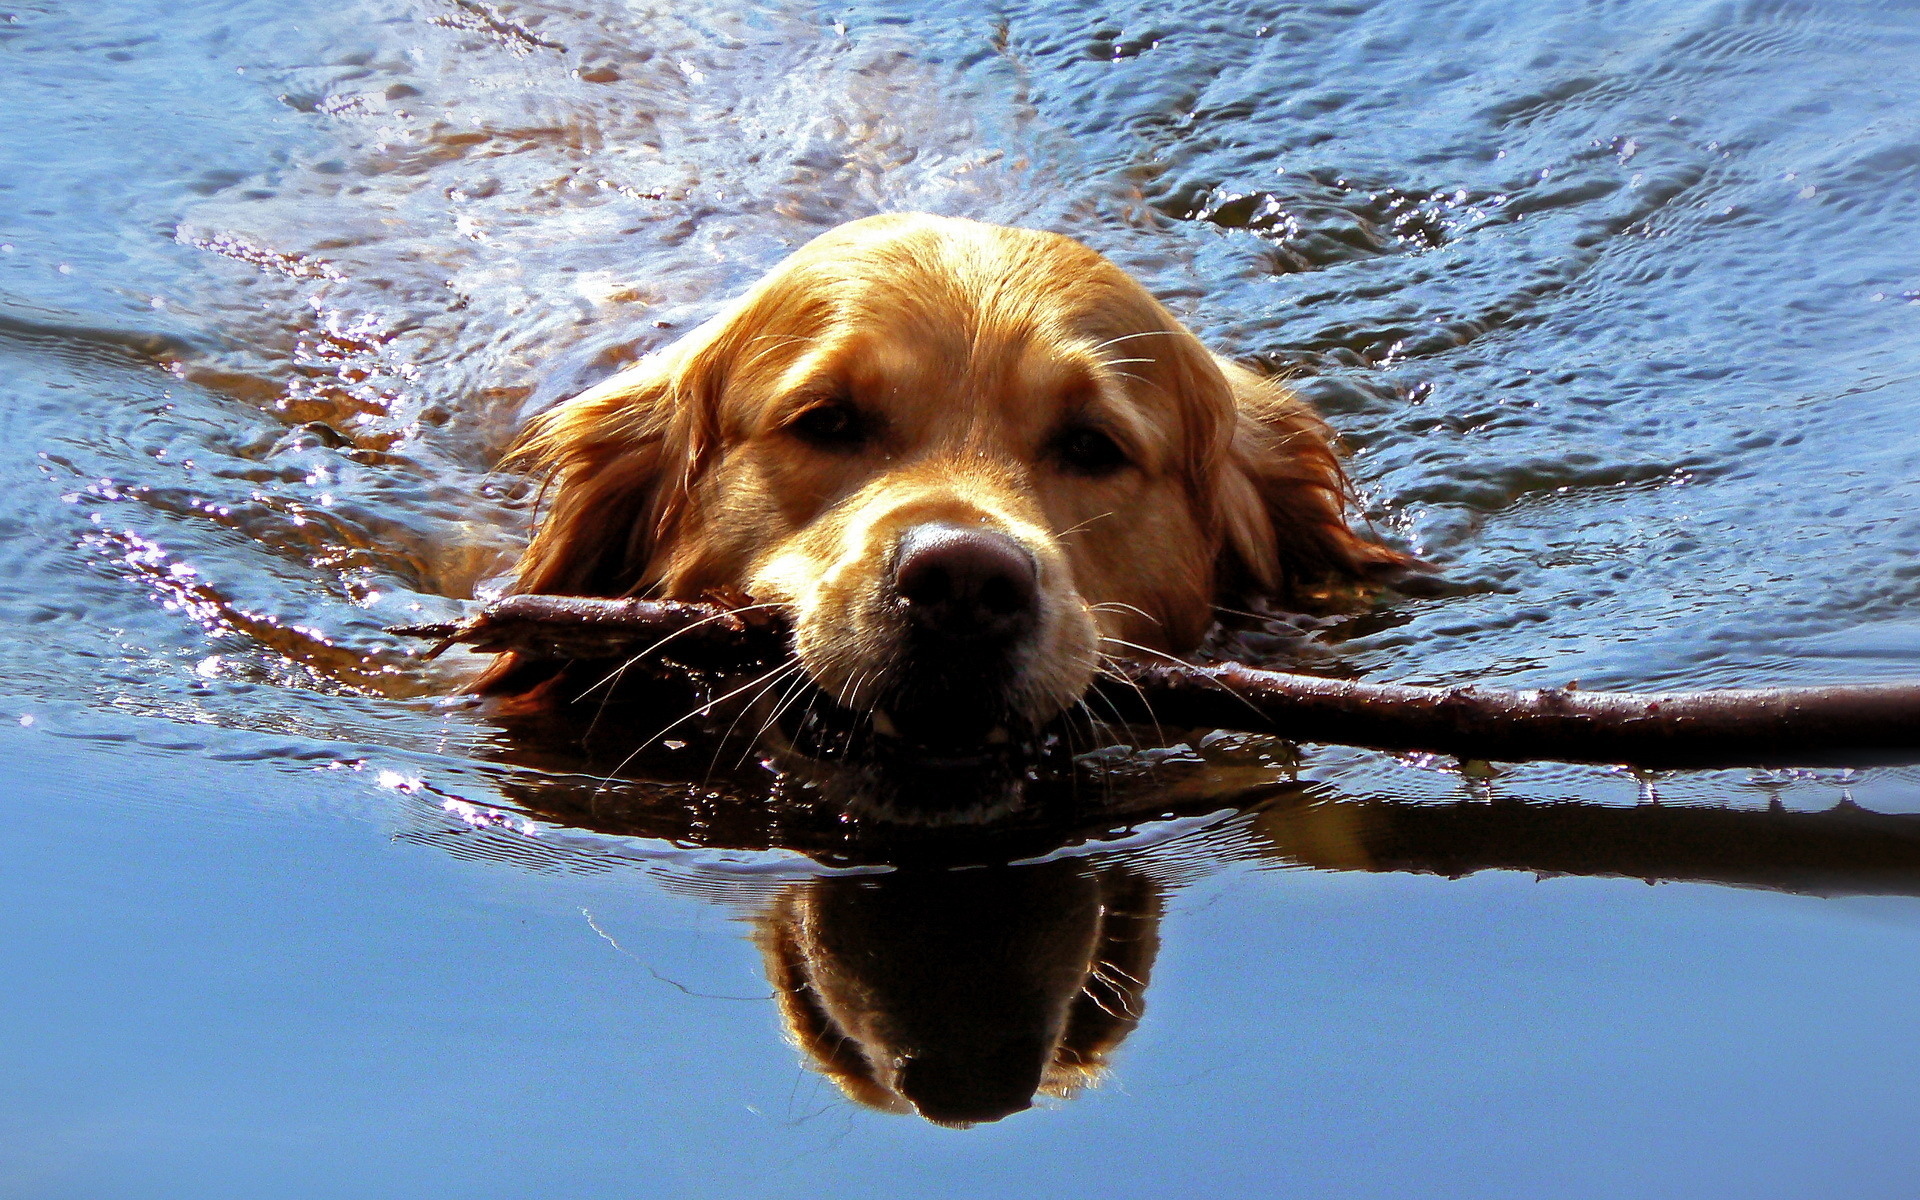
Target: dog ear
[(617, 464), (1282, 501)]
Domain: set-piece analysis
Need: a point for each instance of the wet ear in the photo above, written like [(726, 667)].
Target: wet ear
[(617, 465), (1282, 500)]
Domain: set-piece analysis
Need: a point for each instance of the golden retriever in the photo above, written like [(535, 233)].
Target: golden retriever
[(968, 462)]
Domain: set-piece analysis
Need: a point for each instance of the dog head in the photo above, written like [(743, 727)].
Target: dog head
[(967, 461)]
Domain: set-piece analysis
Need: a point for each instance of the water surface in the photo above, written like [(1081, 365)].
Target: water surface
[(1615, 304)]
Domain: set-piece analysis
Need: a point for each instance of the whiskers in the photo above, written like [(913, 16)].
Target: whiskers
[(1128, 337), (1100, 732), (766, 682), (1241, 612), (1117, 606), (613, 677), (608, 684), (793, 680), (1115, 364), (1178, 662), (1108, 668), (1122, 987), (1064, 534)]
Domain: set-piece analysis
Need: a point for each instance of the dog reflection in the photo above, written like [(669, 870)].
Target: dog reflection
[(961, 995)]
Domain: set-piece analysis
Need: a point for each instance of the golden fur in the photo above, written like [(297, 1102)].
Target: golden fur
[(965, 349)]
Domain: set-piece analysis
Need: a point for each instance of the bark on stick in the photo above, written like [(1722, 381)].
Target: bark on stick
[(559, 627), (1744, 727), (1732, 728)]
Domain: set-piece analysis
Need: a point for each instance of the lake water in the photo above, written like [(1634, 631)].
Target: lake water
[(1617, 305)]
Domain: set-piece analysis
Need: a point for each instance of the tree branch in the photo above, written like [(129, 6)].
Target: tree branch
[(1745, 727)]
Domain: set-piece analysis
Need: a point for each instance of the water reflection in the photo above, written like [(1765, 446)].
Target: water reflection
[(1615, 305), (961, 995), (965, 973)]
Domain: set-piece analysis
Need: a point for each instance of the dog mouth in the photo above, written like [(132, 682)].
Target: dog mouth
[(949, 748), (934, 701), (900, 732), (918, 765)]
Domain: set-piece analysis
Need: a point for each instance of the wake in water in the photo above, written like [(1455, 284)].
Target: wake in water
[(1615, 314)]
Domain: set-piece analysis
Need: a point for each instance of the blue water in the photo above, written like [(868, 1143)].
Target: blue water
[(1615, 304)]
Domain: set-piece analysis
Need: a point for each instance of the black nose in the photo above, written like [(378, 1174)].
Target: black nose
[(966, 583), (997, 1083)]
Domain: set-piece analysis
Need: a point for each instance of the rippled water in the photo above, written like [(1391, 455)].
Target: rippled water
[(1618, 306)]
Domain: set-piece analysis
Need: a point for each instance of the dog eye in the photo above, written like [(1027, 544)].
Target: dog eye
[(1085, 450), (835, 425)]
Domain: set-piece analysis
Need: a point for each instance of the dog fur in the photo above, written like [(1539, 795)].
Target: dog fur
[(909, 372)]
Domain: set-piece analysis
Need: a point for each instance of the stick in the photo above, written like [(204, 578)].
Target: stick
[(1746, 727), (1743, 727), (558, 627)]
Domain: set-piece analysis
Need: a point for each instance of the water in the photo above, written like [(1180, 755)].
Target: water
[(1616, 305)]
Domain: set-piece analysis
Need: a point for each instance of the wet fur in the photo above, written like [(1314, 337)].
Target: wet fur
[(972, 344)]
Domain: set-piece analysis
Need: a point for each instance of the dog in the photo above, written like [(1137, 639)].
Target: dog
[(968, 463)]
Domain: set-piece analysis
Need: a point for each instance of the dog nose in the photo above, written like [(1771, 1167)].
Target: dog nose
[(961, 582)]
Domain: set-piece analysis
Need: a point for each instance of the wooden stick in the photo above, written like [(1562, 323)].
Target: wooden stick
[(557, 627), (1745, 727)]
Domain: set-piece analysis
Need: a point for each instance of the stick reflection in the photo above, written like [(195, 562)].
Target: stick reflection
[(990, 966)]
